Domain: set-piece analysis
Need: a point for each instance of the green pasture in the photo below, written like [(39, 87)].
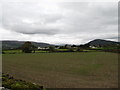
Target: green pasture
[(71, 70), (12, 51)]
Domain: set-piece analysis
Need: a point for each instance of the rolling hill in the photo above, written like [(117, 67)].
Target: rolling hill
[(101, 42), (8, 44)]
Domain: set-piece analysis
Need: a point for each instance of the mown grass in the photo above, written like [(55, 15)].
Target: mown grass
[(64, 69)]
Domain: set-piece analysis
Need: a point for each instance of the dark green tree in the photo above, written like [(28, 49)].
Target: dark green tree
[(66, 46), (73, 46), (51, 49), (27, 47)]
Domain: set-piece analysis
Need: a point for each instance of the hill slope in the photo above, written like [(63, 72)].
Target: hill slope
[(15, 44), (100, 42)]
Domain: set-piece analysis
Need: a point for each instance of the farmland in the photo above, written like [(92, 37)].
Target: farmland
[(64, 70)]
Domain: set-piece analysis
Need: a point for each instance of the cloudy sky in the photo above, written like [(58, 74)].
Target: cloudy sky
[(58, 22)]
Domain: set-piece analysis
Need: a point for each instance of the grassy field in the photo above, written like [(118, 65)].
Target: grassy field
[(64, 70), (12, 51)]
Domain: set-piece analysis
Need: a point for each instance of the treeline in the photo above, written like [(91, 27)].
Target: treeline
[(28, 47)]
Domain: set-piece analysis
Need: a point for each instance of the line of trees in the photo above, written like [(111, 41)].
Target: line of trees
[(28, 47)]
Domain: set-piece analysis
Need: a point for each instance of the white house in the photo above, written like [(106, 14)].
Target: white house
[(92, 47), (42, 48)]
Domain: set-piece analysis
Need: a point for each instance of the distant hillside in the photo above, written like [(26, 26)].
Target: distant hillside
[(100, 42), (15, 44), (8, 44)]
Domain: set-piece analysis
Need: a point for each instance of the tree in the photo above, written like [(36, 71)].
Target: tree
[(73, 46), (51, 49), (66, 46), (27, 47), (85, 46)]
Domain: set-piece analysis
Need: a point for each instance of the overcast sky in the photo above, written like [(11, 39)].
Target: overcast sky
[(58, 22)]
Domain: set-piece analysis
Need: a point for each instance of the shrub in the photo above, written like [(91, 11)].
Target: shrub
[(14, 84)]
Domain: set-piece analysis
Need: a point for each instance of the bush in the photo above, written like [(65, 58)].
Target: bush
[(14, 84)]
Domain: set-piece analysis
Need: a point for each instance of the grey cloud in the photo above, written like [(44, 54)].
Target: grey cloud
[(94, 18), (38, 31), (78, 20), (18, 18), (29, 29)]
